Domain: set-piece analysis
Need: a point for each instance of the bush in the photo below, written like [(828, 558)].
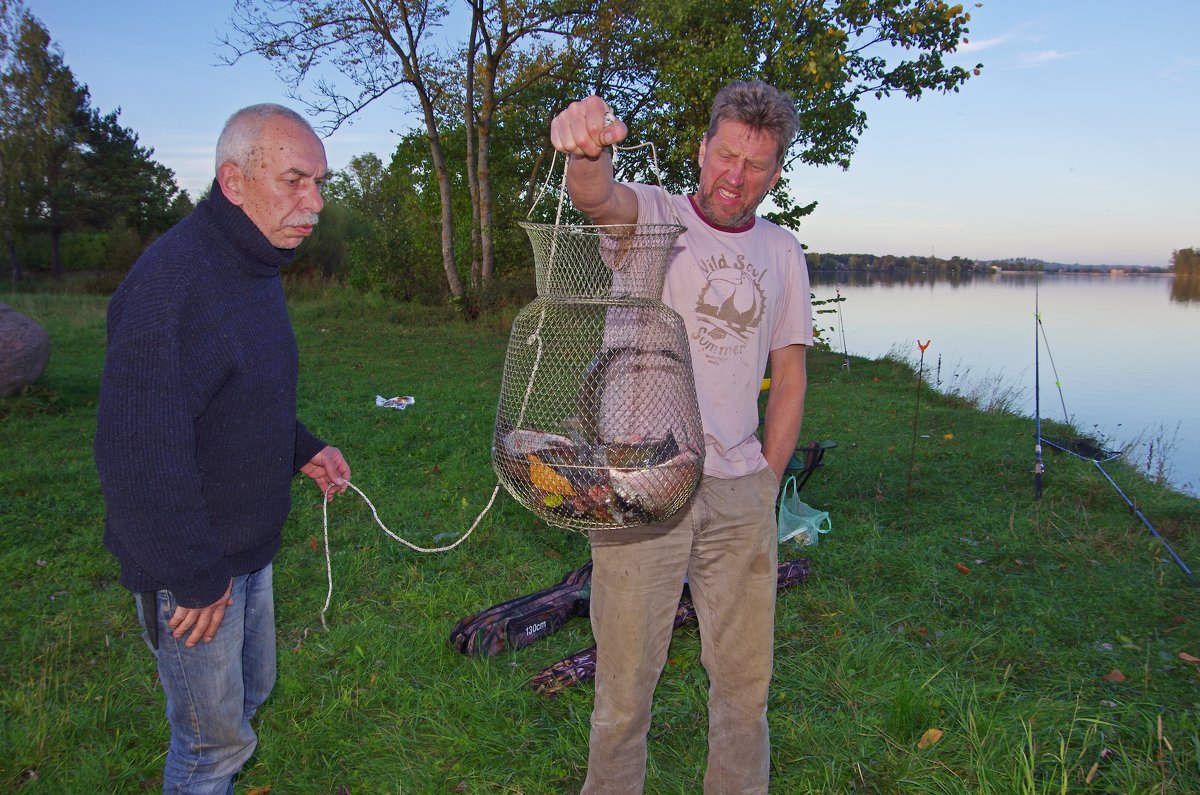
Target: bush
[(122, 246), (84, 251)]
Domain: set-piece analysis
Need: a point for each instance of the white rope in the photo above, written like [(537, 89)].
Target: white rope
[(657, 171), (545, 185), (616, 150), (375, 513)]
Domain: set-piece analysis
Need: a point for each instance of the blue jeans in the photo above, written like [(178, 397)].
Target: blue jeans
[(213, 689)]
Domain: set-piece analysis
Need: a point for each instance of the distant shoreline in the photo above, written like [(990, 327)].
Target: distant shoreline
[(1107, 272)]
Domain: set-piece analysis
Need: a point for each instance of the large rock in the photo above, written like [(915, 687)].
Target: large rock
[(24, 350)]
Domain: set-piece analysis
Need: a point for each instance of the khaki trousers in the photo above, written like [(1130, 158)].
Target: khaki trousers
[(725, 541)]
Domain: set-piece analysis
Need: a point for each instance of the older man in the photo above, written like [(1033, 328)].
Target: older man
[(197, 439), (741, 285)]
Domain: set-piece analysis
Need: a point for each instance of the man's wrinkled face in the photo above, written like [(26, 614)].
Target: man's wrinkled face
[(738, 165), (280, 188)]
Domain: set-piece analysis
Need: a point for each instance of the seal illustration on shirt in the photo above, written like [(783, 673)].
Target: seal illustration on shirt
[(730, 307)]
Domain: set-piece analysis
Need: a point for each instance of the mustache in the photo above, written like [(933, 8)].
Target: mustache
[(301, 219)]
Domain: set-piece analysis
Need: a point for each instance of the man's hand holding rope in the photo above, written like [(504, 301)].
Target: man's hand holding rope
[(328, 468)]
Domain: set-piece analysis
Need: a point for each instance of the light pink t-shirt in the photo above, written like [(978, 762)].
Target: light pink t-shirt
[(741, 295)]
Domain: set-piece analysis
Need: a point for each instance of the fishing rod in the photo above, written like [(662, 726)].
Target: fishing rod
[(1038, 327), (1050, 353), (842, 326), (1178, 561), (1038, 467), (1132, 506)]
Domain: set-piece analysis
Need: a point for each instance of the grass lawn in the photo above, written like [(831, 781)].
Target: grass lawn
[(1051, 643)]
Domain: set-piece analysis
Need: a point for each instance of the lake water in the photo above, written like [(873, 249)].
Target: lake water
[(1125, 348)]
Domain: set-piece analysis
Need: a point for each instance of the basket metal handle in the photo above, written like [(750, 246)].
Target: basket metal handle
[(609, 118)]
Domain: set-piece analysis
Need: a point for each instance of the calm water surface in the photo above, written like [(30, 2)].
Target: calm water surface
[(1126, 352)]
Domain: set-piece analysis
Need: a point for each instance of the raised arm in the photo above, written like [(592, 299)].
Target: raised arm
[(582, 132)]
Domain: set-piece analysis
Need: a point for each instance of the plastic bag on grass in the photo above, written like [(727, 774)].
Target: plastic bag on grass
[(799, 520)]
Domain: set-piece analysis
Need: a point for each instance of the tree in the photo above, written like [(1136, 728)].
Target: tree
[(121, 180), (359, 184), (402, 253), (1186, 262), (63, 164), (378, 46), (15, 162), (381, 46), (46, 113), (829, 55), (513, 47), (658, 61), (355, 194)]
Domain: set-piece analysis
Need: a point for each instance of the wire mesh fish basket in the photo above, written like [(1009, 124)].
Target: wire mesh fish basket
[(598, 425)]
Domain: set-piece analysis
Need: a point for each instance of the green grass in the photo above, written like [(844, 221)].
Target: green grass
[(963, 605)]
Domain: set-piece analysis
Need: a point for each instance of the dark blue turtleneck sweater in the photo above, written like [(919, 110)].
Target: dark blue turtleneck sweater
[(196, 435)]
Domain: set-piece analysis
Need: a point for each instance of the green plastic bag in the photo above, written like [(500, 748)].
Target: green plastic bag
[(798, 520)]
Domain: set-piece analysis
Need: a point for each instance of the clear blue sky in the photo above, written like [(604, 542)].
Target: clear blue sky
[(1078, 143)]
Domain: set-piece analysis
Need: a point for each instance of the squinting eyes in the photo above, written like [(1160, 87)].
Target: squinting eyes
[(300, 184), (732, 158)]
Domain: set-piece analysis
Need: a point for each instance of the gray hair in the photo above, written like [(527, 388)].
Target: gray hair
[(244, 128), (763, 108)]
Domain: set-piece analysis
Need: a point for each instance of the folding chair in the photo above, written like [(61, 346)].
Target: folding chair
[(807, 460)]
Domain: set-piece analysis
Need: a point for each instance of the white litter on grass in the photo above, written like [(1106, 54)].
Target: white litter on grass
[(399, 402)]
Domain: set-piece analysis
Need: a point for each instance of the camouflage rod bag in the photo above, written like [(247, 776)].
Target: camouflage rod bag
[(518, 622), (581, 666)]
